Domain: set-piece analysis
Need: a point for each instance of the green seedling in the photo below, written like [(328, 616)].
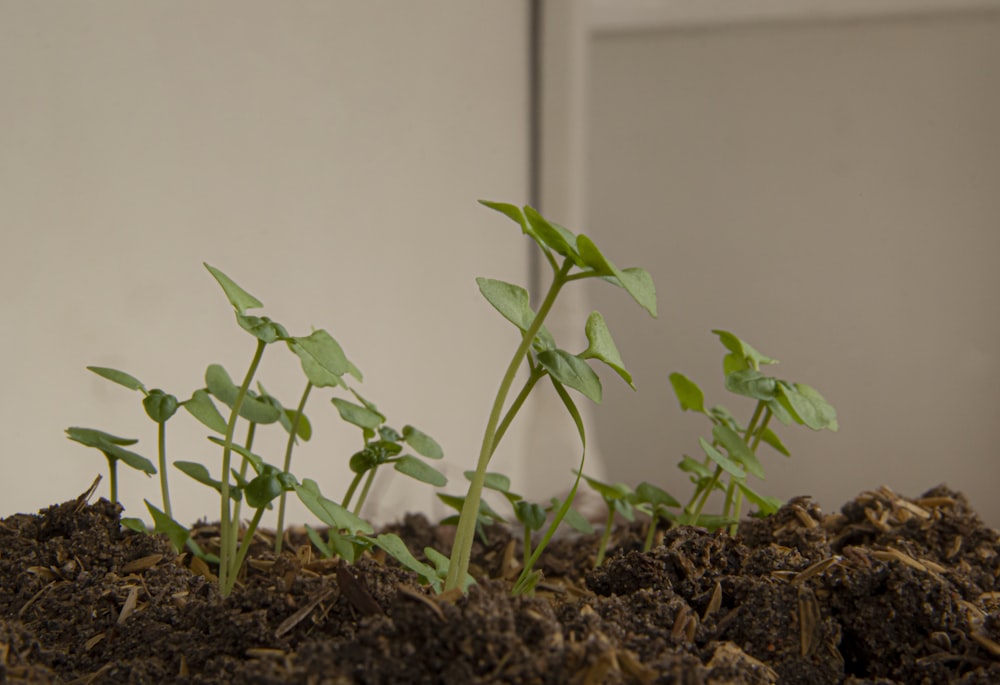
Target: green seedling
[(384, 445), (731, 455), (620, 500), (571, 258), (160, 407), (658, 503), (113, 449)]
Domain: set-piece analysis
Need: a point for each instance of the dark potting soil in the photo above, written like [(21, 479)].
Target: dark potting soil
[(890, 590)]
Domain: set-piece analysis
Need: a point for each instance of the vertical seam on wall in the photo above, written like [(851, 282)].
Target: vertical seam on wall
[(534, 137)]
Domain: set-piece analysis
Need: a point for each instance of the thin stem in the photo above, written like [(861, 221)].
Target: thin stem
[(364, 491), (606, 536), (247, 540), (346, 502), (704, 497), (536, 374), (244, 464), (527, 545), (113, 478), (279, 533), (465, 533), (162, 447), (651, 533), (228, 533)]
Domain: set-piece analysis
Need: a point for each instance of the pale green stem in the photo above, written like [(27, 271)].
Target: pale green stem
[(364, 491), (113, 478), (346, 502), (606, 536), (280, 533), (651, 533), (244, 465), (466, 531), (227, 530), (247, 540), (162, 448)]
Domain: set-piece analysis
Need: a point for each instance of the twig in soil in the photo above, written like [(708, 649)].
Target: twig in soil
[(296, 618)]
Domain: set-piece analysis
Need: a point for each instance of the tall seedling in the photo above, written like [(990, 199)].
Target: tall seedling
[(571, 258)]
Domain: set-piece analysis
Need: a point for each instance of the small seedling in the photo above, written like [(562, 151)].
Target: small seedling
[(113, 449), (733, 448), (571, 258), (658, 503), (620, 500)]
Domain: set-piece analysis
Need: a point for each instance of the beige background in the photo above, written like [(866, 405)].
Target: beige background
[(829, 191), (328, 156), (824, 188)]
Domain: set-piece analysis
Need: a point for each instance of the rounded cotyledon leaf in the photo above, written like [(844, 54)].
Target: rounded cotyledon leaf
[(323, 359), (201, 407), (423, 444), (358, 415), (420, 470)]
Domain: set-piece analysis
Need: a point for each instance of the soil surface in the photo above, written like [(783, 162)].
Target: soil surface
[(889, 590)]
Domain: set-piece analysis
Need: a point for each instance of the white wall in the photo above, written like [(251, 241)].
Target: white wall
[(828, 190), (328, 156)]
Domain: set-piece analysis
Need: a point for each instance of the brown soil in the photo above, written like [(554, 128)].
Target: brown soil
[(890, 590)]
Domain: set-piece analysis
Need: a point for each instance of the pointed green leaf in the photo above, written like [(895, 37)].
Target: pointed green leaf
[(688, 393), (602, 346), (575, 519), (420, 470), (768, 436), (201, 407), (441, 564), (512, 212), (323, 360), (222, 388), (119, 377), (593, 258), (808, 406), (263, 489), (745, 356), (200, 473), (328, 511), (175, 532), (493, 481), (394, 546), (92, 437), (508, 299), (554, 236), (238, 297), (727, 464), (610, 492), (738, 450), (303, 428), (359, 416), (655, 495), (752, 383), (639, 284), (423, 444), (572, 371), (766, 505), (256, 461), (694, 467)]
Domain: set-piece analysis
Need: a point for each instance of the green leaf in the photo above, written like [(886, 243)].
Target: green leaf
[(238, 297), (328, 511), (511, 211), (768, 436), (119, 377), (727, 464), (135, 461), (639, 284), (201, 407), (652, 494), (423, 444), (575, 519), (766, 505), (808, 406), (262, 328), (420, 470), (357, 415), (510, 300), (601, 346), (752, 383), (694, 467), (743, 354), (610, 492), (493, 481), (136, 525), (592, 257), (159, 405), (264, 488), (319, 543), (738, 449), (323, 360), (688, 393), (441, 564), (720, 414), (202, 475), (222, 388), (572, 371), (554, 236), (303, 429), (177, 533), (256, 461), (397, 549), (91, 437)]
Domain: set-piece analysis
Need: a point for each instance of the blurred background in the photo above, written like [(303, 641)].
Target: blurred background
[(819, 178)]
